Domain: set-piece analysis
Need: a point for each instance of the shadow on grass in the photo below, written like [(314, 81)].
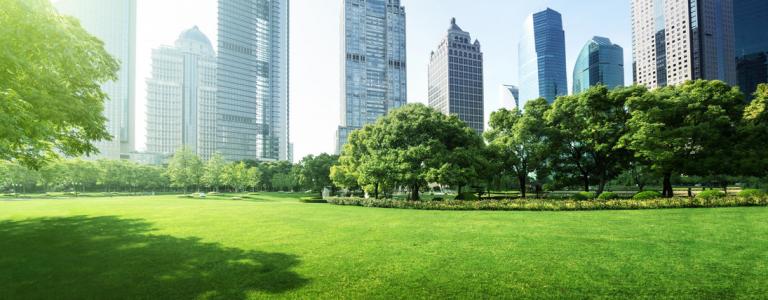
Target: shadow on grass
[(113, 258)]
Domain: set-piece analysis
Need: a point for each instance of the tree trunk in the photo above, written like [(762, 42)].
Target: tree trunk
[(668, 192), (523, 185), (415, 192), (586, 182), (376, 191)]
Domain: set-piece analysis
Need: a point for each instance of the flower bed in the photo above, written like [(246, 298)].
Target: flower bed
[(555, 205)]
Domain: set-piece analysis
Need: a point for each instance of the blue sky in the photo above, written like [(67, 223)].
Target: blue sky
[(315, 48)]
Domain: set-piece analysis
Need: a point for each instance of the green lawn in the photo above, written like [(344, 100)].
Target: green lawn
[(167, 247)]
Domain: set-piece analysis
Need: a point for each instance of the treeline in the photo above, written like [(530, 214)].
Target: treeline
[(701, 129), (185, 172)]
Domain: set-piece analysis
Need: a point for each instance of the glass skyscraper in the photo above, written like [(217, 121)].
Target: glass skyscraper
[(113, 22), (373, 79), (252, 80), (510, 96), (181, 96), (679, 40), (542, 57), (751, 25), (600, 62), (456, 78)]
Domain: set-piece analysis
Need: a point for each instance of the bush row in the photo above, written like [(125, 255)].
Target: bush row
[(557, 205)]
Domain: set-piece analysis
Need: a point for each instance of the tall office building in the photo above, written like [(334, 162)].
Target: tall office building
[(373, 79), (181, 96), (600, 62), (751, 25), (542, 57), (456, 77), (679, 40), (510, 96), (113, 22), (252, 80)]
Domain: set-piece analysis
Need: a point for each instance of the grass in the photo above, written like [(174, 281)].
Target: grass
[(274, 246)]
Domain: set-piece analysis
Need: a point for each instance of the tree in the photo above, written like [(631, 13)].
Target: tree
[(50, 85), (315, 171), (236, 176), (687, 129), (16, 177), (212, 171), (753, 136), (357, 167), (185, 169), (521, 141), (411, 146), (253, 176), (589, 127)]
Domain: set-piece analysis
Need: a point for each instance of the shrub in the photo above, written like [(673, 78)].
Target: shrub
[(647, 195), (751, 193), (437, 199), (608, 196), (313, 201), (554, 205), (710, 195), (583, 196), (467, 196)]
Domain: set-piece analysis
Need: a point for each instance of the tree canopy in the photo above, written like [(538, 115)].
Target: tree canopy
[(51, 101), (521, 141), (411, 146), (686, 129)]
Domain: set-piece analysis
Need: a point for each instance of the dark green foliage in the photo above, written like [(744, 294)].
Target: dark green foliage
[(608, 196), (646, 195), (467, 196), (589, 127), (411, 146), (313, 201), (556, 205), (710, 195), (520, 143), (582, 196), (315, 171), (688, 129)]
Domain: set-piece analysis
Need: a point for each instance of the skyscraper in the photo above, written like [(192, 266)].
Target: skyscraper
[(600, 62), (456, 77), (252, 80), (679, 40), (373, 79), (751, 23), (181, 96), (510, 96), (114, 22), (542, 57)]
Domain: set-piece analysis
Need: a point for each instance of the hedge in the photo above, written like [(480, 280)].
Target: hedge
[(555, 205)]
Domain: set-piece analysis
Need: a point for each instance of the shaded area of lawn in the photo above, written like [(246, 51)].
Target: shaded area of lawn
[(108, 257)]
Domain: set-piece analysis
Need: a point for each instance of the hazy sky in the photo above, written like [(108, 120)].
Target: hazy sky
[(315, 48)]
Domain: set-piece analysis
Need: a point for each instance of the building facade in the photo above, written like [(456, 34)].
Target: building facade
[(679, 40), (373, 79), (252, 80), (542, 57), (181, 96), (510, 96), (600, 62), (751, 23), (456, 78), (113, 22)]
